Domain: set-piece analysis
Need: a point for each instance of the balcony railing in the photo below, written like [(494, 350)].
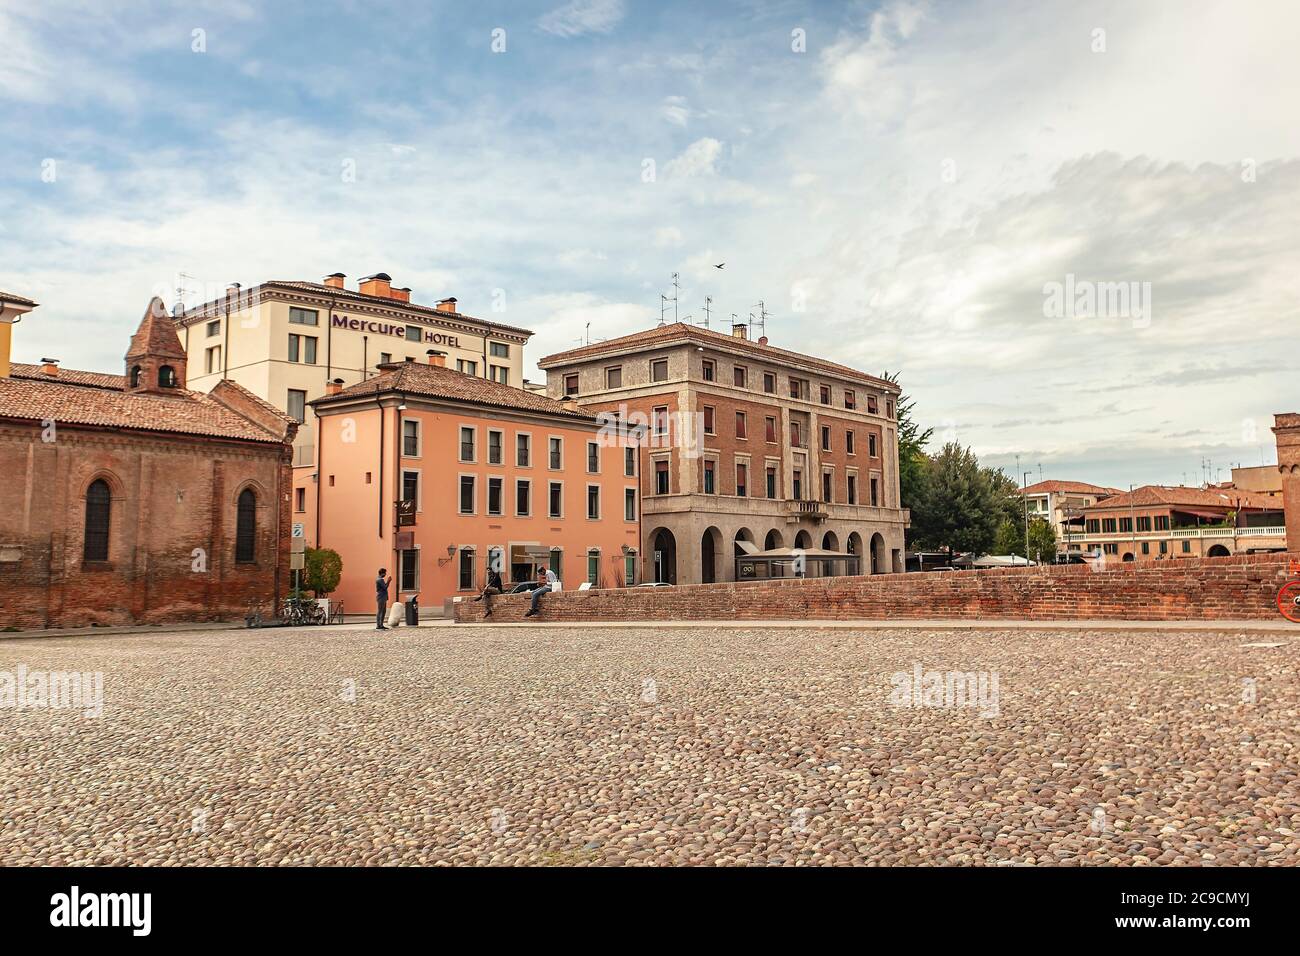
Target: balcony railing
[(1267, 532), (806, 508)]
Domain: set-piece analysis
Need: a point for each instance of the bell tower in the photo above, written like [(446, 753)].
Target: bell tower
[(156, 360)]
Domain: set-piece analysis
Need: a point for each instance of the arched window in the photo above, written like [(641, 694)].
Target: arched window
[(135, 376), (99, 504), (166, 377), (246, 527)]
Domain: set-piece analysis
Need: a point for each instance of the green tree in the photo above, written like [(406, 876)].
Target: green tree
[(1009, 539), (911, 447), (956, 507), (323, 569), (1042, 540)]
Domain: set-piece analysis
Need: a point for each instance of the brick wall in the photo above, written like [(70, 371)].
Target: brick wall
[(1239, 586), (171, 494)]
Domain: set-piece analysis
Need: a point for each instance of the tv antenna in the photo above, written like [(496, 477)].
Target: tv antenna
[(708, 302), (760, 319)]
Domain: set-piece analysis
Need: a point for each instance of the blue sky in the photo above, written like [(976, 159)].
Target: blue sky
[(899, 192)]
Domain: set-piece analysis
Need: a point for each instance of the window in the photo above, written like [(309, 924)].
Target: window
[(1108, 525), (300, 499), (466, 575), (1144, 524), (827, 479), (771, 482), (1162, 522), (629, 504), (467, 494), (1164, 547), (494, 496), (708, 420), (850, 399), (661, 477), (709, 370), (739, 376), (875, 492), (826, 438), (410, 438), (411, 487), (135, 376), (740, 425), (871, 405), (212, 359), (709, 485), (1146, 547), (409, 573), (523, 447), (304, 316), (557, 563), (798, 484), (889, 408), (385, 358), (742, 476), (629, 570), (414, 333), (302, 348), (848, 441), (1126, 525), (167, 377), (659, 420), (825, 394), (571, 385), (629, 462), (795, 436), (523, 498), (499, 373), (555, 454), (297, 405), (1187, 546), (214, 328), (799, 388), (555, 500), (593, 458), (99, 504), (494, 447), (769, 383), (614, 377), (1114, 548), (469, 368), (871, 445), (1092, 526), (466, 443), (770, 429), (659, 370), (853, 489), (593, 501), (593, 569), (498, 350), (246, 527)]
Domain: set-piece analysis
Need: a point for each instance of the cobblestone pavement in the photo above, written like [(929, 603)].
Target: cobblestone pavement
[(720, 746)]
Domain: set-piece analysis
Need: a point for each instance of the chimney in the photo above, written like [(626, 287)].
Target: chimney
[(570, 404), (740, 330), (447, 305), (49, 366), (437, 358), (334, 386), (401, 295), (335, 280), (380, 285)]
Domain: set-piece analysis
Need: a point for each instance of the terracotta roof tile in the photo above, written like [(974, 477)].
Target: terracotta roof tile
[(680, 332), (15, 298), (183, 412), (1069, 487), (156, 334), (435, 381), (70, 376), (1180, 497)]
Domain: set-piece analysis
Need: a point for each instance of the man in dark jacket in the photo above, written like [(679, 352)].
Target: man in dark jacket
[(381, 597), (494, 586)]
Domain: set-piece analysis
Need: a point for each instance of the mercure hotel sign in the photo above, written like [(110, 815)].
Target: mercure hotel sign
[(412, 333)]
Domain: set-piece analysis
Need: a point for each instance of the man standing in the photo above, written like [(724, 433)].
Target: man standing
[(381, 597), (547, 580)]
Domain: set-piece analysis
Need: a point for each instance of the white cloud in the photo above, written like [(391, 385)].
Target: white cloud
[(583, 16), (698, 159)]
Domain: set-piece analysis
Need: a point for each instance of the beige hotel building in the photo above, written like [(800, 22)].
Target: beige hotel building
[(292, 341)]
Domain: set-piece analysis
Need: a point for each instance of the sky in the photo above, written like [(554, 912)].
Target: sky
[(931, 188)]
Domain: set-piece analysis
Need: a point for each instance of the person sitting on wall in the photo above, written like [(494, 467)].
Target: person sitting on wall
[(546, 580), (381, 597), (494, 586)]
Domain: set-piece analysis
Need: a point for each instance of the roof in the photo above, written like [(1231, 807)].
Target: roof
[(15, 299), (320, 288), (68, 402), (1068, 487), (435, 381), (1178, 496), (156, 334), (681, 333), (69, 376)]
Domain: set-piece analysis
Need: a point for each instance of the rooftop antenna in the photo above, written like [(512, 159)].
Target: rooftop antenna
[(586, 333), (676, 294), (760, 320), (708, 302), (182, 286), (663, 306)]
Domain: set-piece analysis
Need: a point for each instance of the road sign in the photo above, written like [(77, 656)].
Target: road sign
[(297, 561), (298, 530)]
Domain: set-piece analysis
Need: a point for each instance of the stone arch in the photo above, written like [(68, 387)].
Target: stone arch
[(803, 540), (854, 546), (1128, 556), (773, 540), (830, 541), (711, 554), (879, 563), (661, 559), (1217, 551)]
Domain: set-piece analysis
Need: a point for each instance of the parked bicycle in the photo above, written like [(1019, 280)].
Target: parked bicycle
[(1288, 595), (301, 611)]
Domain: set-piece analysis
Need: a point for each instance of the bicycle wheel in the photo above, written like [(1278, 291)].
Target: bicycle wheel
[(1288, 601)]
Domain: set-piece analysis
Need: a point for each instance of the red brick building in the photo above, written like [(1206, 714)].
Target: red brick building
[(1286, 428), (130, 499)]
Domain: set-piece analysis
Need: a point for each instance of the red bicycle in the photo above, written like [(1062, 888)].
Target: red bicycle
[(1288, 595)]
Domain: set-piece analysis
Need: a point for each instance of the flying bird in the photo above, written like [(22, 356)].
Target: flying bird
[(719, 265)]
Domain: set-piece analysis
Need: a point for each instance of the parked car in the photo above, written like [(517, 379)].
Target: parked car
[(653, 584), (524, 587)]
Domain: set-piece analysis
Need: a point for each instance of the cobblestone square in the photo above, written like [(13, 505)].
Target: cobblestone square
[(711, 745)]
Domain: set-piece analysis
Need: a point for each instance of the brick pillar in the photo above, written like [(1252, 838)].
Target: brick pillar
[(1287, 429)]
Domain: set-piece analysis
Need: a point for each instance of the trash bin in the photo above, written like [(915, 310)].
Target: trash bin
[(413, 610)]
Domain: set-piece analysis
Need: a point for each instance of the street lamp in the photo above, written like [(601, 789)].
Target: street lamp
[(1024, 485)]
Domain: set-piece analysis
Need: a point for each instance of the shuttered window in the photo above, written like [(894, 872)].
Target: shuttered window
[(99, 504), (246, 527)]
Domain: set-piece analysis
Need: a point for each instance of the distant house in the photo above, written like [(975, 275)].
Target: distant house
[(1061, 503)]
